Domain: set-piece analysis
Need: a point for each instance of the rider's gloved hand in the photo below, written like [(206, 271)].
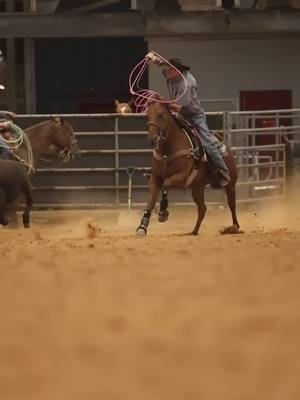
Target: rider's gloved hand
[(153, 57), (175, 107), (11, 114)]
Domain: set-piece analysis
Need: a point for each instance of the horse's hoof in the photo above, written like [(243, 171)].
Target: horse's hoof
[(231, 230), (163, 216), (26, 226), (4, 221), (189, 234), (141, 231)]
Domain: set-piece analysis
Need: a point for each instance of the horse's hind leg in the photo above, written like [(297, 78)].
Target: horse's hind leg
[(231, 199), (29, 201), (155, 186), (163, 214), (3, 219), (198, 197)]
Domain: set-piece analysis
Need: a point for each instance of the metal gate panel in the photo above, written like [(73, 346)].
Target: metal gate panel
[(111, 142)]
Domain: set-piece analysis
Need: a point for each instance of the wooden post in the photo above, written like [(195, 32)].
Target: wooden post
[(11, 66), (29, 66)]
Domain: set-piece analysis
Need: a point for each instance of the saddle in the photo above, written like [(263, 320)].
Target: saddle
[(190, 130), (195, 138)]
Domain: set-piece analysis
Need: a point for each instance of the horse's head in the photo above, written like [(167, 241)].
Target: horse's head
[(63, 138), (158, 119), (123, 108)]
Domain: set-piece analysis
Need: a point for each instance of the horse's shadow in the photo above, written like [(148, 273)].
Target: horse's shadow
[(229, 230)]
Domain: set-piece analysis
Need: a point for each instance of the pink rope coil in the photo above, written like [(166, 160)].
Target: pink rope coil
[(145, 95)]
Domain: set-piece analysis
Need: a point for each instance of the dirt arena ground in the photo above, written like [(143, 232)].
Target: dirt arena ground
[(90, 311)]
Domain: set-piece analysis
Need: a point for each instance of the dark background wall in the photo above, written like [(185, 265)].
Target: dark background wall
[(85, 75)]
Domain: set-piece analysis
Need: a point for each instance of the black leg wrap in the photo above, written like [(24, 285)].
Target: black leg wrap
[(163, 215), (26, 220), (145, 221), (164, 202), (147, 214)]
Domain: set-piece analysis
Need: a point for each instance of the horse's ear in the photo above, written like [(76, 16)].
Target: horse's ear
[(57, 120), (117, 102)]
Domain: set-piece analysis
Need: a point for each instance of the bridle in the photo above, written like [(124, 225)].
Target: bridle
[(66, 154), (161, 138)]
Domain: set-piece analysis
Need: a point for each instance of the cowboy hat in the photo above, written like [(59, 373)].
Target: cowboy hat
[(178, 64)]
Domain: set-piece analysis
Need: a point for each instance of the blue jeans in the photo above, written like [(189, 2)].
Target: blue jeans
[(210, 146), (4, 150)]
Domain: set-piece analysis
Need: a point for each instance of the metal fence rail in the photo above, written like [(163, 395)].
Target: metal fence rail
[(111, 142), (250, 119)]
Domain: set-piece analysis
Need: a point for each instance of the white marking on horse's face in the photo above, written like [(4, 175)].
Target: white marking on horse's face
[(123, 108)]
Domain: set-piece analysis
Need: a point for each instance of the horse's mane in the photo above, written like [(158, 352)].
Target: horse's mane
[(33, 128), (166, 105)]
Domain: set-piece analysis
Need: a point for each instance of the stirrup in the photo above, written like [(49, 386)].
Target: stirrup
[(224, 177)]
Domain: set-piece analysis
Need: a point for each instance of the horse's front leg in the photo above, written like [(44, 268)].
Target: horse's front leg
[(155, 187), (178, 180), (26, 214), (163, 214)]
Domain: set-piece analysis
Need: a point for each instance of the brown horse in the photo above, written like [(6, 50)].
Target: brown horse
[(14, 182), (124, 108), (57, 134), (174, 166)]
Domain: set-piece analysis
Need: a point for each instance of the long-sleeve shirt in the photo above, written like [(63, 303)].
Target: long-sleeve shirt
[(4, 148), (189, 101), (3, 115)]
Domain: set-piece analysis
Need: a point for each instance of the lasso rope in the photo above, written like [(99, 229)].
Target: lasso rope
[(144, 95), (15, 144)]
